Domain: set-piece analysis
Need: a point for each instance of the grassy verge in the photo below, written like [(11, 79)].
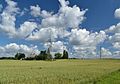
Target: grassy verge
[(112, 78)]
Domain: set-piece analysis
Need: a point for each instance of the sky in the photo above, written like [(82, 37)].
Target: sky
[(79, 26)]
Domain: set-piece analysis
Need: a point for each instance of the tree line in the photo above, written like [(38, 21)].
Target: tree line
[(43, 55)]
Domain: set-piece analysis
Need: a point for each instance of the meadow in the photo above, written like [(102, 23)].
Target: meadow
[(60, 72)]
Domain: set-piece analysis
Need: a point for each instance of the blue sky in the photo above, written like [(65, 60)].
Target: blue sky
[(99, 16)]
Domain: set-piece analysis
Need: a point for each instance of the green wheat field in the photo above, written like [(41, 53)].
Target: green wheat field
[(60, 72)]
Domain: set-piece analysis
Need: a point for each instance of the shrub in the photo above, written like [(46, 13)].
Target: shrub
[(19, 56), (58, 55)]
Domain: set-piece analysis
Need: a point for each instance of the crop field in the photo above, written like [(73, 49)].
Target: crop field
[(60, 72)]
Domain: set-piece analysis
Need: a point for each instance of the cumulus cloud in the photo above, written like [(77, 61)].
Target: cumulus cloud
[(106, 53), (57, 27), (25, 29), (11, 49), (84, 51), (84, 37), (37, 12), (117, 13), (8, 18), (58, 23), (8, 22), (56, 47), (65, 18), (115, 37), (116, 45), (44, 34), (113, 29), (85, 43)]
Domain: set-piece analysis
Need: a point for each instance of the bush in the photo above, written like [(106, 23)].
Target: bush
[(19, 56), (41, 56), (29, 58), (58, 55)]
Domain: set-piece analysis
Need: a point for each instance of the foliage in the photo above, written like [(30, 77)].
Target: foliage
[(58, 56), (10, 58), (65, 54), (29, 58), (19, 56), (43, 56), (112, 78)]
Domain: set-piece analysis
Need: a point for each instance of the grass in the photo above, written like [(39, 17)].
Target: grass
[(112, 78), (60, 72)]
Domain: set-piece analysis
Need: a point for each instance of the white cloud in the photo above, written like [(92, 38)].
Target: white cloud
[(105, 53), (56, 47), (85, 38), (117, 13), (116, 54), (12, 7), (64, 3), (8, 18), (113, 29), (115, 37), (67, 17), (84, 42), (35, 10), (116, 45), (84, 51), (8, 22), (12, 48), (44, 34), (25, 29), (56, 26)]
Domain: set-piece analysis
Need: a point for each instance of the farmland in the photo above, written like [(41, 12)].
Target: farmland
[(60, 72)]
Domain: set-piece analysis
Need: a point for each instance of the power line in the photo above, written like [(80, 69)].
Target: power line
[(49, 41)]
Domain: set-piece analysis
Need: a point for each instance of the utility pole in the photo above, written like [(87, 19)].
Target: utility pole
[(63, 39), (100, 53)]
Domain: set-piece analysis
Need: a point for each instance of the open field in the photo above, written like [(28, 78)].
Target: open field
[(60, 72)]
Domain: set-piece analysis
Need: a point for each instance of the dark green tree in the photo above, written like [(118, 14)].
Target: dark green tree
[(65, 55), (58, 55), (43, 56), (19, 56)]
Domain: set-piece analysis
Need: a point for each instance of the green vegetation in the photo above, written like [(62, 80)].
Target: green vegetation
[(42, 56), (19, 56), (112, 78), (58, 56), (65, 55), (60, 72)]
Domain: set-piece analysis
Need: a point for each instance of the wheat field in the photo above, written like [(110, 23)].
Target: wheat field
[(60, 72)]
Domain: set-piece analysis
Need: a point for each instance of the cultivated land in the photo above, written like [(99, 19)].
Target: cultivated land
[(60, 72)]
